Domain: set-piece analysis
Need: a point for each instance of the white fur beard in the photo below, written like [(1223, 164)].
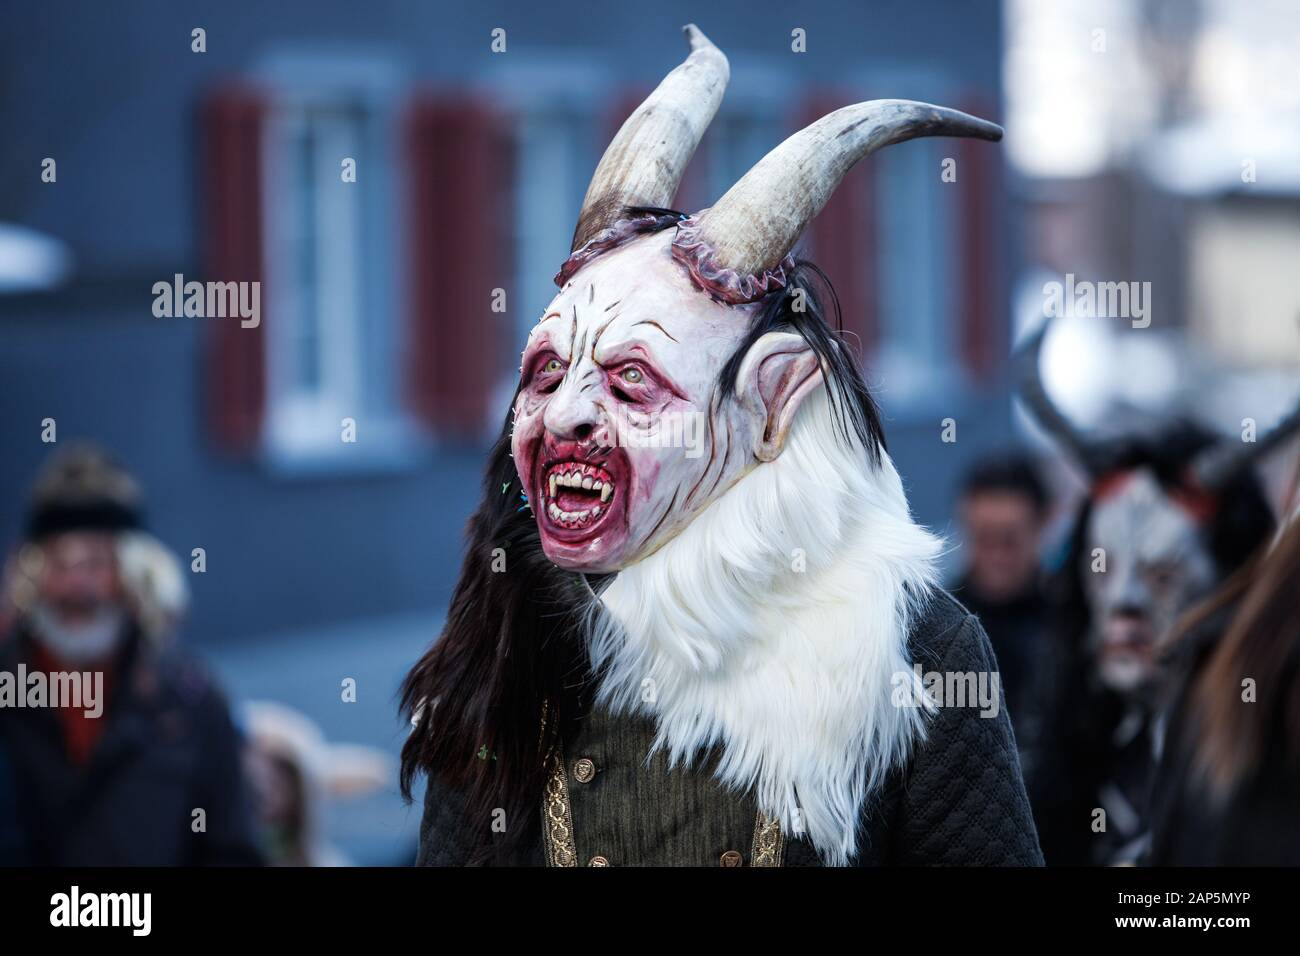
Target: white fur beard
[(723, 640)]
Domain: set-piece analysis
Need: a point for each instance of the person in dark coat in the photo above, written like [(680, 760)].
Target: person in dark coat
[(697, 624), (118, 747), (1003, 510), (1227, 790)]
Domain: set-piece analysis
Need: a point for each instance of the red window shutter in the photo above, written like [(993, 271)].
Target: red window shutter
[(460, 188), (232, 122), (842, 239), (982, 338)]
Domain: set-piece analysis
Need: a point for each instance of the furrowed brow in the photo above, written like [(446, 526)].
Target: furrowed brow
[(635, 350), (655, 325), (544, 341)]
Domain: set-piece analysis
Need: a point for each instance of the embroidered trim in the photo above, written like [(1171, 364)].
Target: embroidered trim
[(700, 260), (769, 843), (607, 239), (557, 818)]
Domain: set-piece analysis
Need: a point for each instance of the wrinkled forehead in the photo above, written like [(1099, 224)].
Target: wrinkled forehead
[(1138, 518), (637, 298)]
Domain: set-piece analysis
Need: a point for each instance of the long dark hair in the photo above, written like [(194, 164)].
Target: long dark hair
[(1231, 742), (507, 682), (510, 648)]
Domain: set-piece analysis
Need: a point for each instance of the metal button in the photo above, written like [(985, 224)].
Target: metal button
[(731, 858), (598, 861), (584, 770)]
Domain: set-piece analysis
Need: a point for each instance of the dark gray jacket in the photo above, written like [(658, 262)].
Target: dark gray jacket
[(959, 800), (168, 748)]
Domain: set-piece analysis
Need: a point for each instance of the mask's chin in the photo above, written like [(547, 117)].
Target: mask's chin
[(591, 558)]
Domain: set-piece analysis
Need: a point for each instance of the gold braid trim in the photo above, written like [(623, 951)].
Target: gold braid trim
[(557, 819), (769, 844)]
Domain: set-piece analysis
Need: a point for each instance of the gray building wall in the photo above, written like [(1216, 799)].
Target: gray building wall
[(111, 92)]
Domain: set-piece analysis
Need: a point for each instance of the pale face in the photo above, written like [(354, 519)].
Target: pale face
[(620, 437), (78, 576), (1156, 567)]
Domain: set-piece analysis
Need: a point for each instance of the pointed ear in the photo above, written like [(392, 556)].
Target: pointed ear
[(778, 373)]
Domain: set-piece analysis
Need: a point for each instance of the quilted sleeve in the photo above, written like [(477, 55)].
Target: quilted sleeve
[(964, 802), (444, 839)]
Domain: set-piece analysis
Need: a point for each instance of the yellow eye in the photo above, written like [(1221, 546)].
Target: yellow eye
[(632, 376), (554, 365)]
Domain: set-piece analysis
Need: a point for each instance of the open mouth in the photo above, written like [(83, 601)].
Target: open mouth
[(576, 496)]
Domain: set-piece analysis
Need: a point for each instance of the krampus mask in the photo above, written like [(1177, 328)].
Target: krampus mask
[(629, 357)]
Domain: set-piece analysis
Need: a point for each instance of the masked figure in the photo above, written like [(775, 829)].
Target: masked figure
[(696, 624), (1169, 514)]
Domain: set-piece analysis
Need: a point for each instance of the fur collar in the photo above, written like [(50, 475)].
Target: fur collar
[(773, 626)]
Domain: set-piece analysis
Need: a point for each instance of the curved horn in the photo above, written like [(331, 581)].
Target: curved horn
[(1217, 466), (756, 223), (1029, 386), (645, 161)]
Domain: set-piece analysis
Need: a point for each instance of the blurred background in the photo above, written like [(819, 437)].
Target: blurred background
[(1147, 140)]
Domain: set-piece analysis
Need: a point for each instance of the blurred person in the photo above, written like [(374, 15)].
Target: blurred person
[(1227, 792), (293, 771), (150, 774), (1169, 514), (1003, 510)]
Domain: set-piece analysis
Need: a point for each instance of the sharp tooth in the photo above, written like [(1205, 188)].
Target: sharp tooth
[(553, 480), (595, 512), (586, 483), (605, 492), (553, 510)]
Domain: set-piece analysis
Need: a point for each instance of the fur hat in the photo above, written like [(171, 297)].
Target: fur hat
[(83, 489)]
